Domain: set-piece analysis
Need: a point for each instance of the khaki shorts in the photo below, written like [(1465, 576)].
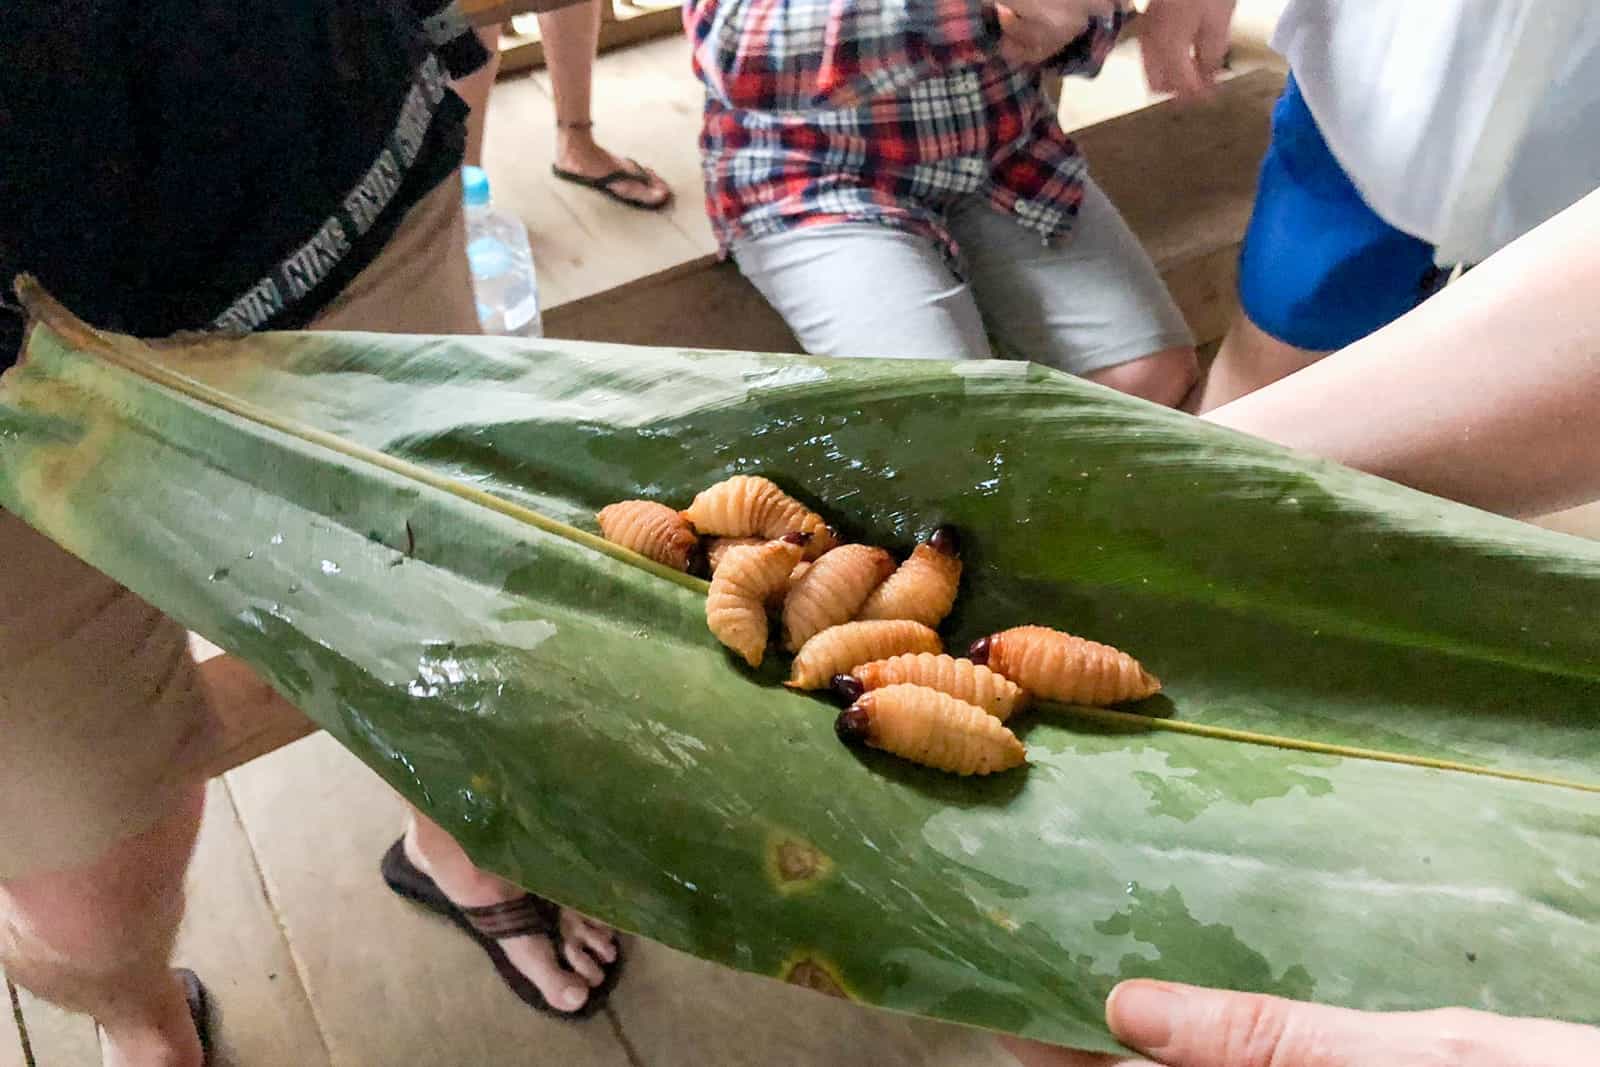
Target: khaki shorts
[(102, 716)]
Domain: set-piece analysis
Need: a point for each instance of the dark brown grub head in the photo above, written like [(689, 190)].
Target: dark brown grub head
[(946, 540), (979, 652), (853, 725), (798, 537), (849, 687)]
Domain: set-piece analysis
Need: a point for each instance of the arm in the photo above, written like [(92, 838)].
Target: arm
[(778, 55), (1489, 393)]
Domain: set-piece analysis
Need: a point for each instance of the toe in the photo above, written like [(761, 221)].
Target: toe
[(566, 993), (660, 191), (584, 964), (601, 941), (643, 191), (657, 190), (535, 957), (593, 939)]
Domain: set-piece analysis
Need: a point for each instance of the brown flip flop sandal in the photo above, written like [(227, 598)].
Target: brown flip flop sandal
[(194, 991), (490, 924), (604, 184)]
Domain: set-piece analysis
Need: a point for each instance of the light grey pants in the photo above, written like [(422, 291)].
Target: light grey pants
[(1089, 301)]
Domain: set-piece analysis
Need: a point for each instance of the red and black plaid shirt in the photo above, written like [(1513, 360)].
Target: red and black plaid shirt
[(883, 111)]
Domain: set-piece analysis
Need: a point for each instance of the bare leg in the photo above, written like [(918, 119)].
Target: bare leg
[(588, 944), (475, 89), (98, 939), (571, 36), (1163, 377), (1249, 359)]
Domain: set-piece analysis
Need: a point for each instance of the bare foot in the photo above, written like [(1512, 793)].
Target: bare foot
[(588, 945), (577, 151)]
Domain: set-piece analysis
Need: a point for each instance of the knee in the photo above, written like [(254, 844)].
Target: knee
[(71, 935), (1164, 377), (61, 962)]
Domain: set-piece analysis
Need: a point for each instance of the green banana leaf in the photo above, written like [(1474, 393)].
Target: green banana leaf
[(1372, 779)]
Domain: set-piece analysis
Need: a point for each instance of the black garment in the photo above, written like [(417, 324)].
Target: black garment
[(161, 159)]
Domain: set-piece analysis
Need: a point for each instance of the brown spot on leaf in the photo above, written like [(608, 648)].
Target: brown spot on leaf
[(797, 861), (812, 972), (793, 863)]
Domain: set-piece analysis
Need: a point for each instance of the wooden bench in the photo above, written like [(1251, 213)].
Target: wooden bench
[(1183, 176)]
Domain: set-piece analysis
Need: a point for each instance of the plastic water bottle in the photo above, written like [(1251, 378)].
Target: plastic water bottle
[(503, 281)]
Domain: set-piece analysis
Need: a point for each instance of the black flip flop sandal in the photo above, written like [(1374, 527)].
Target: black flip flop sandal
[(604, 183), (490, 924), (194, 991)]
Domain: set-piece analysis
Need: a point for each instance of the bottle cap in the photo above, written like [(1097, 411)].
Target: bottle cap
[(474, 186)]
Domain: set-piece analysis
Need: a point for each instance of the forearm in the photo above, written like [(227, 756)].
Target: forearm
[(1489, 393)]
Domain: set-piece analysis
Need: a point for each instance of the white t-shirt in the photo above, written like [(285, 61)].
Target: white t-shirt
[(1463, 122)]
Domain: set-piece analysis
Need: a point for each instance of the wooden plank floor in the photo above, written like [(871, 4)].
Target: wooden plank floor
[(232, 938), (56, 1038), (387, 982), (678, 1011), (647, 106)]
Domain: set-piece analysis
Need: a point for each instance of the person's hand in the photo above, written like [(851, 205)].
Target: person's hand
[(1184, 1026), (1184, 43), (1031, 31)]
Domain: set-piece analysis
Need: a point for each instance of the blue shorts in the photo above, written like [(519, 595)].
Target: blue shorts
[(1319, 269)]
